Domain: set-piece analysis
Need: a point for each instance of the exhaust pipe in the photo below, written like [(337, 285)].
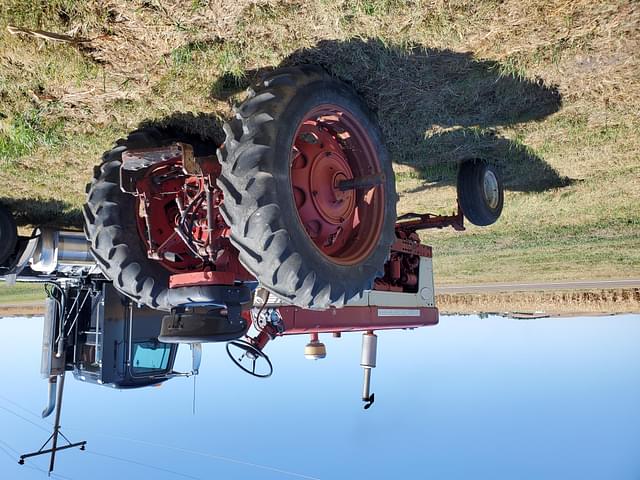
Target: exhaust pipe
[(53, 384), (58, 249)]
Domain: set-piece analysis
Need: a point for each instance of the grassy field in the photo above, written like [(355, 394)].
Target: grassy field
[(547, 90), (21, 293)]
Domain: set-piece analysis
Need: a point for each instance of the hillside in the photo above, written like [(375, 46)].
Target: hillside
[(548, 90)]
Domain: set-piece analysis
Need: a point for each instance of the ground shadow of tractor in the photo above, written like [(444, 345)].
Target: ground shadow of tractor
[(204, 132), (438, 107), (43, 212)]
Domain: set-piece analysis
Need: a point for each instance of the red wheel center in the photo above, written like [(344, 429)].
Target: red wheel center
[(329, 148), (319, 165), (333, 205)]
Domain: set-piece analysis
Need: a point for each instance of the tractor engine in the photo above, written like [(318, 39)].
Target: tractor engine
[(300, 199)]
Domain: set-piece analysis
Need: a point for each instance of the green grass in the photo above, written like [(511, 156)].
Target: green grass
[(551, 253), (21, 293), (372, 8), (544, 91), (27, 132)]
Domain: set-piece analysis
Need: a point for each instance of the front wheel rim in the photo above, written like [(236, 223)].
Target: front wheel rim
[(490, 189)]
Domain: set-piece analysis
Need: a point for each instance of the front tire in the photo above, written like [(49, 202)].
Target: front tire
[(292, 143), (480, 192)]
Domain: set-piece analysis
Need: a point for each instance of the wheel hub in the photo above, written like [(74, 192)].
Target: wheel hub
[(318, 166), (333, 205), (331, 149), (490, 189)]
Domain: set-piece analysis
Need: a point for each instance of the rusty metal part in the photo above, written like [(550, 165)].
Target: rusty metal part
[(402, 268), (412, 222), (336, 180), (178, 213), (136, 162), (366, 181), (412, 247), (206, 165)]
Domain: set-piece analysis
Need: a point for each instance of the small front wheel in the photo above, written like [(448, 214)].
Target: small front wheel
[(480, 192)]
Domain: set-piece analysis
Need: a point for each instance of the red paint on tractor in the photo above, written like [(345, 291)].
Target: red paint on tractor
[(412, 222), (206, 277), (353, 319), (341, 213), (337, 187), (178, 215)]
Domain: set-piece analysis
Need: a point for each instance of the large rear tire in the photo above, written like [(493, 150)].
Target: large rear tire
[(297, 137)]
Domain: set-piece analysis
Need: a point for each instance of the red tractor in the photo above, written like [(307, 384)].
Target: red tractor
[(299, 201), (290, 226)]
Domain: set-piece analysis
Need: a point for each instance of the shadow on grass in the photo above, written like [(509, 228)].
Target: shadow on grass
[(43, 212), (203, 130), (437, 107)]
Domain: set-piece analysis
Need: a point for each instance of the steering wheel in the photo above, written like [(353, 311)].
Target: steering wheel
[(252, 354)]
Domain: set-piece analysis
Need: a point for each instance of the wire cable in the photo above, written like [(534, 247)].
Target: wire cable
[(9, 447), (16, 404), (52, 474), (142, 464), (23, 418), (209, 455), (177, 449), (6, 452)]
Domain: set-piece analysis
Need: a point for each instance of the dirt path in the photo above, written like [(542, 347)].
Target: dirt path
[(553, 302), (22, 309)]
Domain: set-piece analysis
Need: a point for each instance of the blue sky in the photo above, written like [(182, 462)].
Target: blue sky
[(473, 398)]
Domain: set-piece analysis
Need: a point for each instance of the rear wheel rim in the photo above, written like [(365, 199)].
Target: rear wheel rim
[(330, 146)]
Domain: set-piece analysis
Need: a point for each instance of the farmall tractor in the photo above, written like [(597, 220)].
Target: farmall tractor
[(287, 228)]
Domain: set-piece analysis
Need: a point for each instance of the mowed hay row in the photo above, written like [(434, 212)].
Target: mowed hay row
[(592, 301)]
